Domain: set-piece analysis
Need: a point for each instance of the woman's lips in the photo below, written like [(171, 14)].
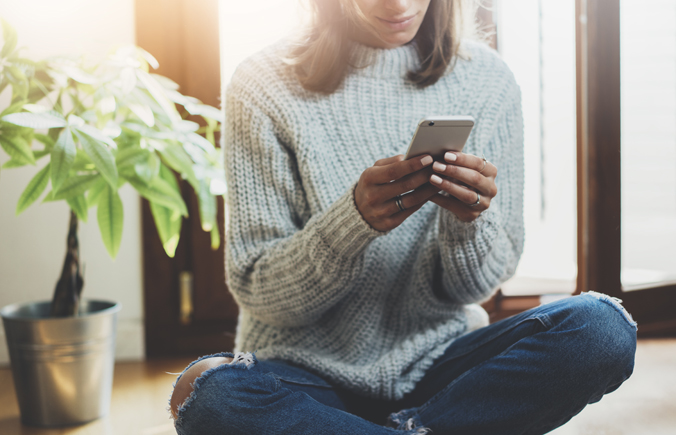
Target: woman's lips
[(398, 24)]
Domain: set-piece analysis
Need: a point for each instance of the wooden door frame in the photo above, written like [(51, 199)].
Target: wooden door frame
[(599, 177), (183, 36)]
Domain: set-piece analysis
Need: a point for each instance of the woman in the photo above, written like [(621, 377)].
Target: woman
[(358, 282)]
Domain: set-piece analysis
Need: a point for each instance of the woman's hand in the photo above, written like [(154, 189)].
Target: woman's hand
[(380, 185), (467, 179)]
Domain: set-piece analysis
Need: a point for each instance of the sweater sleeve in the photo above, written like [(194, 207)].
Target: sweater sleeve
[(476, 257), (283, 271)]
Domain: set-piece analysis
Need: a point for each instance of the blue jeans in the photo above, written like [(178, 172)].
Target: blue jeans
[(527, 374)]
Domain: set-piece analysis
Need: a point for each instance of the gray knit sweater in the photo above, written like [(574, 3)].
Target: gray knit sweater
[(316, 285)]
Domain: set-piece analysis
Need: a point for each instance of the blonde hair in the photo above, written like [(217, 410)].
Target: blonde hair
[(322, 57)]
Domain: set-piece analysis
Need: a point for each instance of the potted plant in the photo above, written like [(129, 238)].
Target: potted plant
[(88, 129)]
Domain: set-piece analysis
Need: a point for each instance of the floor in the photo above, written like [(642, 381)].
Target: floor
[(138, 405), (645, 404)]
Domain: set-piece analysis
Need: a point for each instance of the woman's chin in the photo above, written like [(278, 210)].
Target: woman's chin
[(397, 40)]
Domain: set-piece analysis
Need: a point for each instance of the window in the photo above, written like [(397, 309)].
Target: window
[(648, 90), (602, 93), (536, 38)]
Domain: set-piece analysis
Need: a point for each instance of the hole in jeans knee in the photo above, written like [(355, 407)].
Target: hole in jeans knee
[(185, 385), (615, 303), (197, 373)]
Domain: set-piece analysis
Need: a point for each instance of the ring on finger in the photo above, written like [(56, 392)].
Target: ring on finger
[(485, 161), (478, 200), (399, 203)]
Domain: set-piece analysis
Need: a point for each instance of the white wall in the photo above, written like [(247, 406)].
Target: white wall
[(32, 245)]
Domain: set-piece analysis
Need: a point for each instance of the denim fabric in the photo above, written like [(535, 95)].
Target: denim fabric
[(527, 374)]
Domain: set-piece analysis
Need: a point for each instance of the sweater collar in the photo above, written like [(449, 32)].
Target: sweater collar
[(383, 62)]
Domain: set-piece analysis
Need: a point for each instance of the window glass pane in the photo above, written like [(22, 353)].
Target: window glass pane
[(648, 90), (537, 40)]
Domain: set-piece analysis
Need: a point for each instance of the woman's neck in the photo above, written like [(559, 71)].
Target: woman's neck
[(366, 37)]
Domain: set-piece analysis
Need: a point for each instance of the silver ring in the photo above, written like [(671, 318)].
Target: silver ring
[(478, 200), (399, 204), (485, 161)]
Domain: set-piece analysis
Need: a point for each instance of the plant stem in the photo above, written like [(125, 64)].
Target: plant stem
[(66, 300)]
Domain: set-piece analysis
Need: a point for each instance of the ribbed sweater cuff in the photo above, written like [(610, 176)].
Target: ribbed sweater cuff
[(344, 229), (457, 230)]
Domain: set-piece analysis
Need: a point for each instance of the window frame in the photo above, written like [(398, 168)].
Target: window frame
[(599, 170)]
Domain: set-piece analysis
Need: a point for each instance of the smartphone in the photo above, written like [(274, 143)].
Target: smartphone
[(437, 134)]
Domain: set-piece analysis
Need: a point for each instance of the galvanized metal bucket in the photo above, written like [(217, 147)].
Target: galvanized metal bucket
[(62, 367)]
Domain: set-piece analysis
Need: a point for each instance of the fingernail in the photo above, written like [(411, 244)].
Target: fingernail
[(439, 167), (450, 157), (426, 160), (435, 179)]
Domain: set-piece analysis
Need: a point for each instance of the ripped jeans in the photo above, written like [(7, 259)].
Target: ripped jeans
[(527, 374)]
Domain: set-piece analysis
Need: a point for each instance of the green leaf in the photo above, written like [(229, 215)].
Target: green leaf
[(79, 205), (15, 74), (13, 164), (82, 162), (148, 169), (44, 139), (110, 216), (158, 94), (34, 189), (209, 130), (101, 156), (53, 133), (96, 134), (10, 38), (176, 96), (18, 148), (128, 157), (35, 108), (166, 82), (205, 111), (148, 58), (49, 197), (77, 74), (185, 126), (75, 121), (177, 159), (207, 206), (16, 107), (144, 113), (168, 223), (201, 142), (63, 157), (18, 80), (50, 119), (168, 176), (160, 192), (75, 185), (40, 154), (106, 105), (95, 192), (127, 80), (215, 238)]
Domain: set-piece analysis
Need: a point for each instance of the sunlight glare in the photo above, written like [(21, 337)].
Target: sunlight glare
[(248, 27)]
